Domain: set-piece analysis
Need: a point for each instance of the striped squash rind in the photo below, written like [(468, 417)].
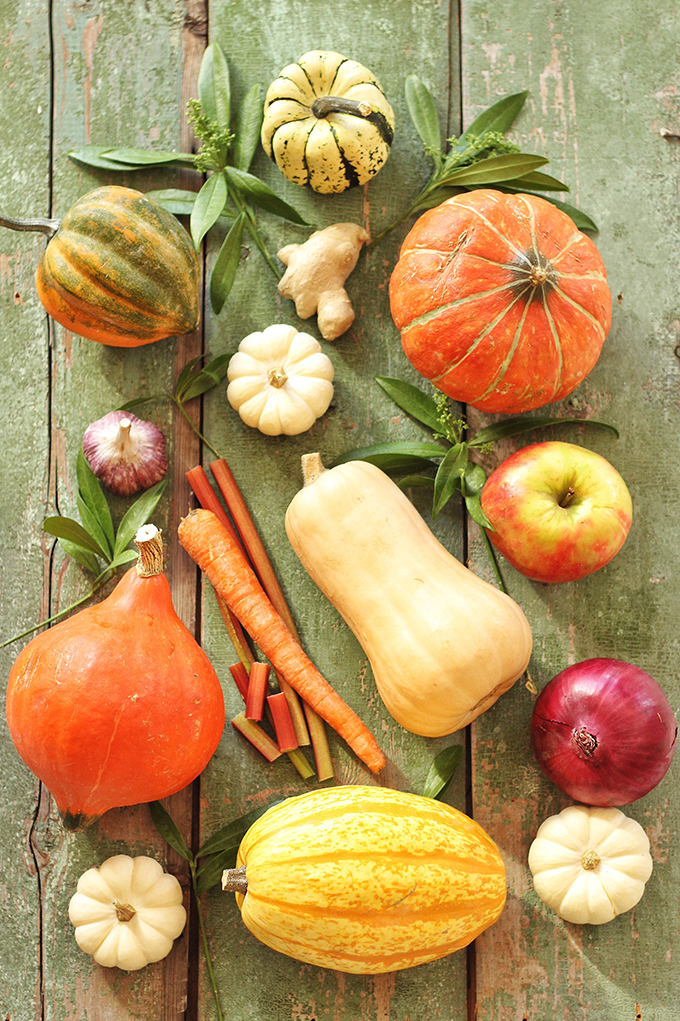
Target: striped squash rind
[(335, 152), (120, 270), (502, 303), (368, 880)]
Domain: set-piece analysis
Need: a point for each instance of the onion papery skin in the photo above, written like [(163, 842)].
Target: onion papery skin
[(630, 719)]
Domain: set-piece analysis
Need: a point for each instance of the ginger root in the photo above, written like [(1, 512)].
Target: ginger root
[(316, 273)]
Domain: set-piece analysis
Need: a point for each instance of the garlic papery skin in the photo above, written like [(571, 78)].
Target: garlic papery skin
[(125, 453)]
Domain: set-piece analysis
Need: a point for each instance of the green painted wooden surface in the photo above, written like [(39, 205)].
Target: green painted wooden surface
[(603, 84)]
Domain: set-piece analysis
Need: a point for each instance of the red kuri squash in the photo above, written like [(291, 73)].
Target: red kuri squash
[(501, 301), (118, 705)]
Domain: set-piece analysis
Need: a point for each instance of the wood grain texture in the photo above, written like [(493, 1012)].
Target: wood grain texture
[(602, 84)]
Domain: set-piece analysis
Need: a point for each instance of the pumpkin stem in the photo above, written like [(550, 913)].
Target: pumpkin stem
[(312, 468), (124, 912), (234, 880), (324, 105), (277, 377), (150, 543), (590, 860), (48, 227)]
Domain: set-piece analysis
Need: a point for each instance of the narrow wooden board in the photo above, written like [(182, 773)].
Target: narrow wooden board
[(602, 85)]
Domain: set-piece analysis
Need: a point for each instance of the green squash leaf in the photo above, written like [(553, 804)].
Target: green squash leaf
[(73, 532), (136, 158), (167, 828), (257, 192), (499, 117), (526, 424), (226, 265), (97, 511), (137, 515), (447, 479), (209, 203), (81, 556), (442, 771), (214, 89), (231, 835), (495, 169), (424, 116), (248, 126), (412, 400)]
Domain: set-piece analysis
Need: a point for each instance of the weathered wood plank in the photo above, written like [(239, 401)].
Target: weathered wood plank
[(24, 189), (393, 40), (599, 125)]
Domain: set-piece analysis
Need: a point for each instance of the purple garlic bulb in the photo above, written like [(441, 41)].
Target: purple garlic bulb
[(125, 453)]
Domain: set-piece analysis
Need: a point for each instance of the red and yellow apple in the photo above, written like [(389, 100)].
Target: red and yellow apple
[(559, 511)]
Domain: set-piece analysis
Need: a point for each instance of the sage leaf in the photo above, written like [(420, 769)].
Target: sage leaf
[(185, 376), (260, 194), (430, 199), (209, 203), (137, 401), (214, 89), (136, 158), (91, 156), (248, 126), (92, 496), (412, 400), (416, 482), (208, 377), (442, 771), (91, 525), (395, 458), (474, 509), (124, 558), (137, 515), (167, 828), (179, 201), (525, 424), (448, 477), (81, 556), (581, 219), (210, 872), (473, 484), (424, 116), (494, 169), (499, 117), (226, 265), (544, 182), (73, 532)]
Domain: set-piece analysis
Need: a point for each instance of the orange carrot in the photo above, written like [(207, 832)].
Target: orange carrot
[(254, 547), (209, 544)]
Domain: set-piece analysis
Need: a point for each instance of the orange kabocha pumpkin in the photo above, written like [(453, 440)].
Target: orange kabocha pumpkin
[(501, 302), (118, 705)]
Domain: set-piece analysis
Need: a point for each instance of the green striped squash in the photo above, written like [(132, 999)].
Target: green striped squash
[(367, 879), (120, 270), (327, 123)]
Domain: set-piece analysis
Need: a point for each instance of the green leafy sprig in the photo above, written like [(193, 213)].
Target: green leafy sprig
[(448, 469), (94, 544), (442, 771), (191, 382), (206, 866), (481, 158), (230, 193)]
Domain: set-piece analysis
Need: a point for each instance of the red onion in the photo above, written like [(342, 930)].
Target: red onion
[(603, 732)]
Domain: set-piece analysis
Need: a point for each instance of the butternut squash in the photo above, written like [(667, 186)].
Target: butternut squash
[(443, 644)]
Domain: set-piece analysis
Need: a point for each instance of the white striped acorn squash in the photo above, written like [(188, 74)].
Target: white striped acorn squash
[(366, 879), (327, 122)]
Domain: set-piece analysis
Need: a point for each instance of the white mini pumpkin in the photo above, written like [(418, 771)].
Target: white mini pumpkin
[(590, 864), (280, 381), (127, 912)]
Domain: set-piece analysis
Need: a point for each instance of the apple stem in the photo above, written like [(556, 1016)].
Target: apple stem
[(567, 496)]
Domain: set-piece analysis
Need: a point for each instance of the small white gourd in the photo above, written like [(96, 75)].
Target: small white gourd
[(280, 381), (127, 913), (590, 864)]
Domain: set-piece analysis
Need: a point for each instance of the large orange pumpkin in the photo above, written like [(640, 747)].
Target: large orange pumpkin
[(118, 705), (501, 301)]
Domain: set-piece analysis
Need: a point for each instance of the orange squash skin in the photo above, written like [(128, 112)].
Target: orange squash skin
[(368, 880), (120, 270), (118, 705), (502, 303)]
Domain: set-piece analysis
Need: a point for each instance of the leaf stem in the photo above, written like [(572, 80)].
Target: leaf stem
[(202, 438), (251, 225), (494, 563), (100, 581), (204, 938)]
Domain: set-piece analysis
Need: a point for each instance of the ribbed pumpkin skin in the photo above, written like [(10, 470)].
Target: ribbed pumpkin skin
[(368, 880), (120, 270), (332, 153), (118, 705), (501, 301)]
